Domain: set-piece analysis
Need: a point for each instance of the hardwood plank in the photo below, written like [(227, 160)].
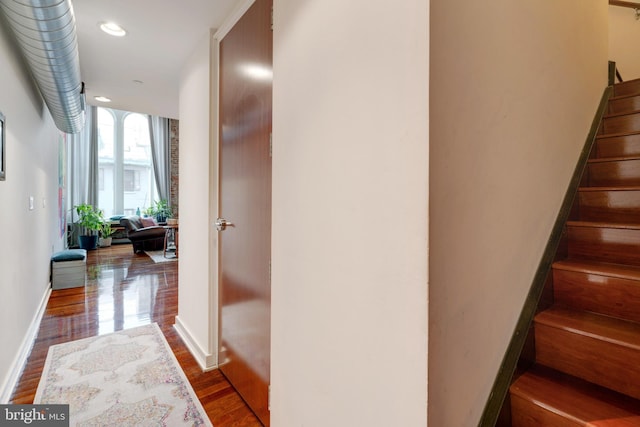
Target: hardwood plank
[(628, 87), (609, 204), (624, 104), (598, 349), (621, 271), (614, 172), (604, 242), (599, 327), (543, 397), (597, 293), (618, 146), (125, 290), (629, 122)]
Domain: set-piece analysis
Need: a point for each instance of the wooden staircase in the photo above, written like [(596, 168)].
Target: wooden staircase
[(587, 339)]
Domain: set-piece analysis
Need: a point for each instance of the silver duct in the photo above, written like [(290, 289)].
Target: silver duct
[(46, 33)]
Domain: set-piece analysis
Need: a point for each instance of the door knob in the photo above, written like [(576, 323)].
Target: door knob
[(222, 224)]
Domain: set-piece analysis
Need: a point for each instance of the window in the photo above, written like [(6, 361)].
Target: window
[(131, 180), (126, 175), (106, 156), (101, 179)]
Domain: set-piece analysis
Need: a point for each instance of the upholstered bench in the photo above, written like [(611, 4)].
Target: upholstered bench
[(68, 269)]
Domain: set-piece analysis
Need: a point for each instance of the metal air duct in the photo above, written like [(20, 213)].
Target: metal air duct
[(46, 33)]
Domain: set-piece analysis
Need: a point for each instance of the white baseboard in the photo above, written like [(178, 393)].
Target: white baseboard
[(207, 361), (20, 360)]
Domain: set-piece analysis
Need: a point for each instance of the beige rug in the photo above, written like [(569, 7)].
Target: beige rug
[(127, 378), (158, 256)]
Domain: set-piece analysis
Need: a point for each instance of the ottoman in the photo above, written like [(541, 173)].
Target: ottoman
[(68, 269)]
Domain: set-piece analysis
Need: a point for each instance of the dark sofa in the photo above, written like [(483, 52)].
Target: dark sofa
[(143, 238)]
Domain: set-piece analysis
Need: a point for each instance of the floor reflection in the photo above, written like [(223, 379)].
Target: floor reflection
[(124, 290), (246, 334), (125, 302)]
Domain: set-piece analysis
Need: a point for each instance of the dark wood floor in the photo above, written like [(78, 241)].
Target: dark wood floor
[(124, 290)]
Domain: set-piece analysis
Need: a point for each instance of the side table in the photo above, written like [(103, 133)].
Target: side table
[(171, 233)]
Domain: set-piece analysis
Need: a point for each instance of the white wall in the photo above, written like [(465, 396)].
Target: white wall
[(350, 213), (624, 32), (514, 88), (197, 271), (28, 236)]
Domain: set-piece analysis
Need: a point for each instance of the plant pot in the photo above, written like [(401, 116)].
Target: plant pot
[(105, 242), (88, 242)]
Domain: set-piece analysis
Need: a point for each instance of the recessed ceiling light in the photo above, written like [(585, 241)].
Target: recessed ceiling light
[(102, 98), (113, 29)]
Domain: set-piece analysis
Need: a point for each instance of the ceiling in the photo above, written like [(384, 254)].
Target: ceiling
[(161, 34)]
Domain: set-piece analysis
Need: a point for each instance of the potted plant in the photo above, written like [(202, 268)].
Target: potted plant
[(161, 210), (106, 231), (90, 220)]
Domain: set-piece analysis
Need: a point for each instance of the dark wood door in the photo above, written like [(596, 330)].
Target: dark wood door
[(245, 202)]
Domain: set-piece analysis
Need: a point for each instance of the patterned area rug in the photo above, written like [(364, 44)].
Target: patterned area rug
[(127, 378), (158, 256)]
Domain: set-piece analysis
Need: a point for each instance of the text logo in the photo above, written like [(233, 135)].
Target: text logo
[(34, 415)]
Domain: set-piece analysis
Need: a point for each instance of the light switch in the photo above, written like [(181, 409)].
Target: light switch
[(30, 203)]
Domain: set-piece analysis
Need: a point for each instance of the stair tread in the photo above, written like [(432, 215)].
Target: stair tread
[(576, 399), (611, 188), (612, 159), (599, 268), (617, 134), (600, 224), (627, 82), (616, 331), (620, 114), (628, 95)]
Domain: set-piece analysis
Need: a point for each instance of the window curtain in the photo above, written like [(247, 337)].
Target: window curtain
[(83, 164), (82, 172), (160, 154)]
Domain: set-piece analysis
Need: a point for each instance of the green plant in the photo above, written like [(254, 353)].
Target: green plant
[(106, 230), (160, 210), (89, 218)]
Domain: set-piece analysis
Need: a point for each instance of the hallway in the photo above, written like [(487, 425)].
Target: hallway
[(124, 290)]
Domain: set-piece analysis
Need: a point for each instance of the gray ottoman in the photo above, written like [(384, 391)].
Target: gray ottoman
[(68, 269)]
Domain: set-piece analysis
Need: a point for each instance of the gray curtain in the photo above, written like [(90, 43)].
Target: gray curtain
[(83, 164), (82, 168), (160, 155)]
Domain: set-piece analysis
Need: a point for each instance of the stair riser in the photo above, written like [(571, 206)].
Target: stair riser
[(604, 244), (621, 206), (624, 105), (614, 174), (527, 414), (626, 88), (609, 365), (610, 296), (618, 146), (621, 124)]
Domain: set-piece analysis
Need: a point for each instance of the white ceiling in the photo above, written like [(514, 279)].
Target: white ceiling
[(161, 34)]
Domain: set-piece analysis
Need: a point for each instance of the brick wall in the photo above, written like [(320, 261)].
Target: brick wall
[(174, 126)]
